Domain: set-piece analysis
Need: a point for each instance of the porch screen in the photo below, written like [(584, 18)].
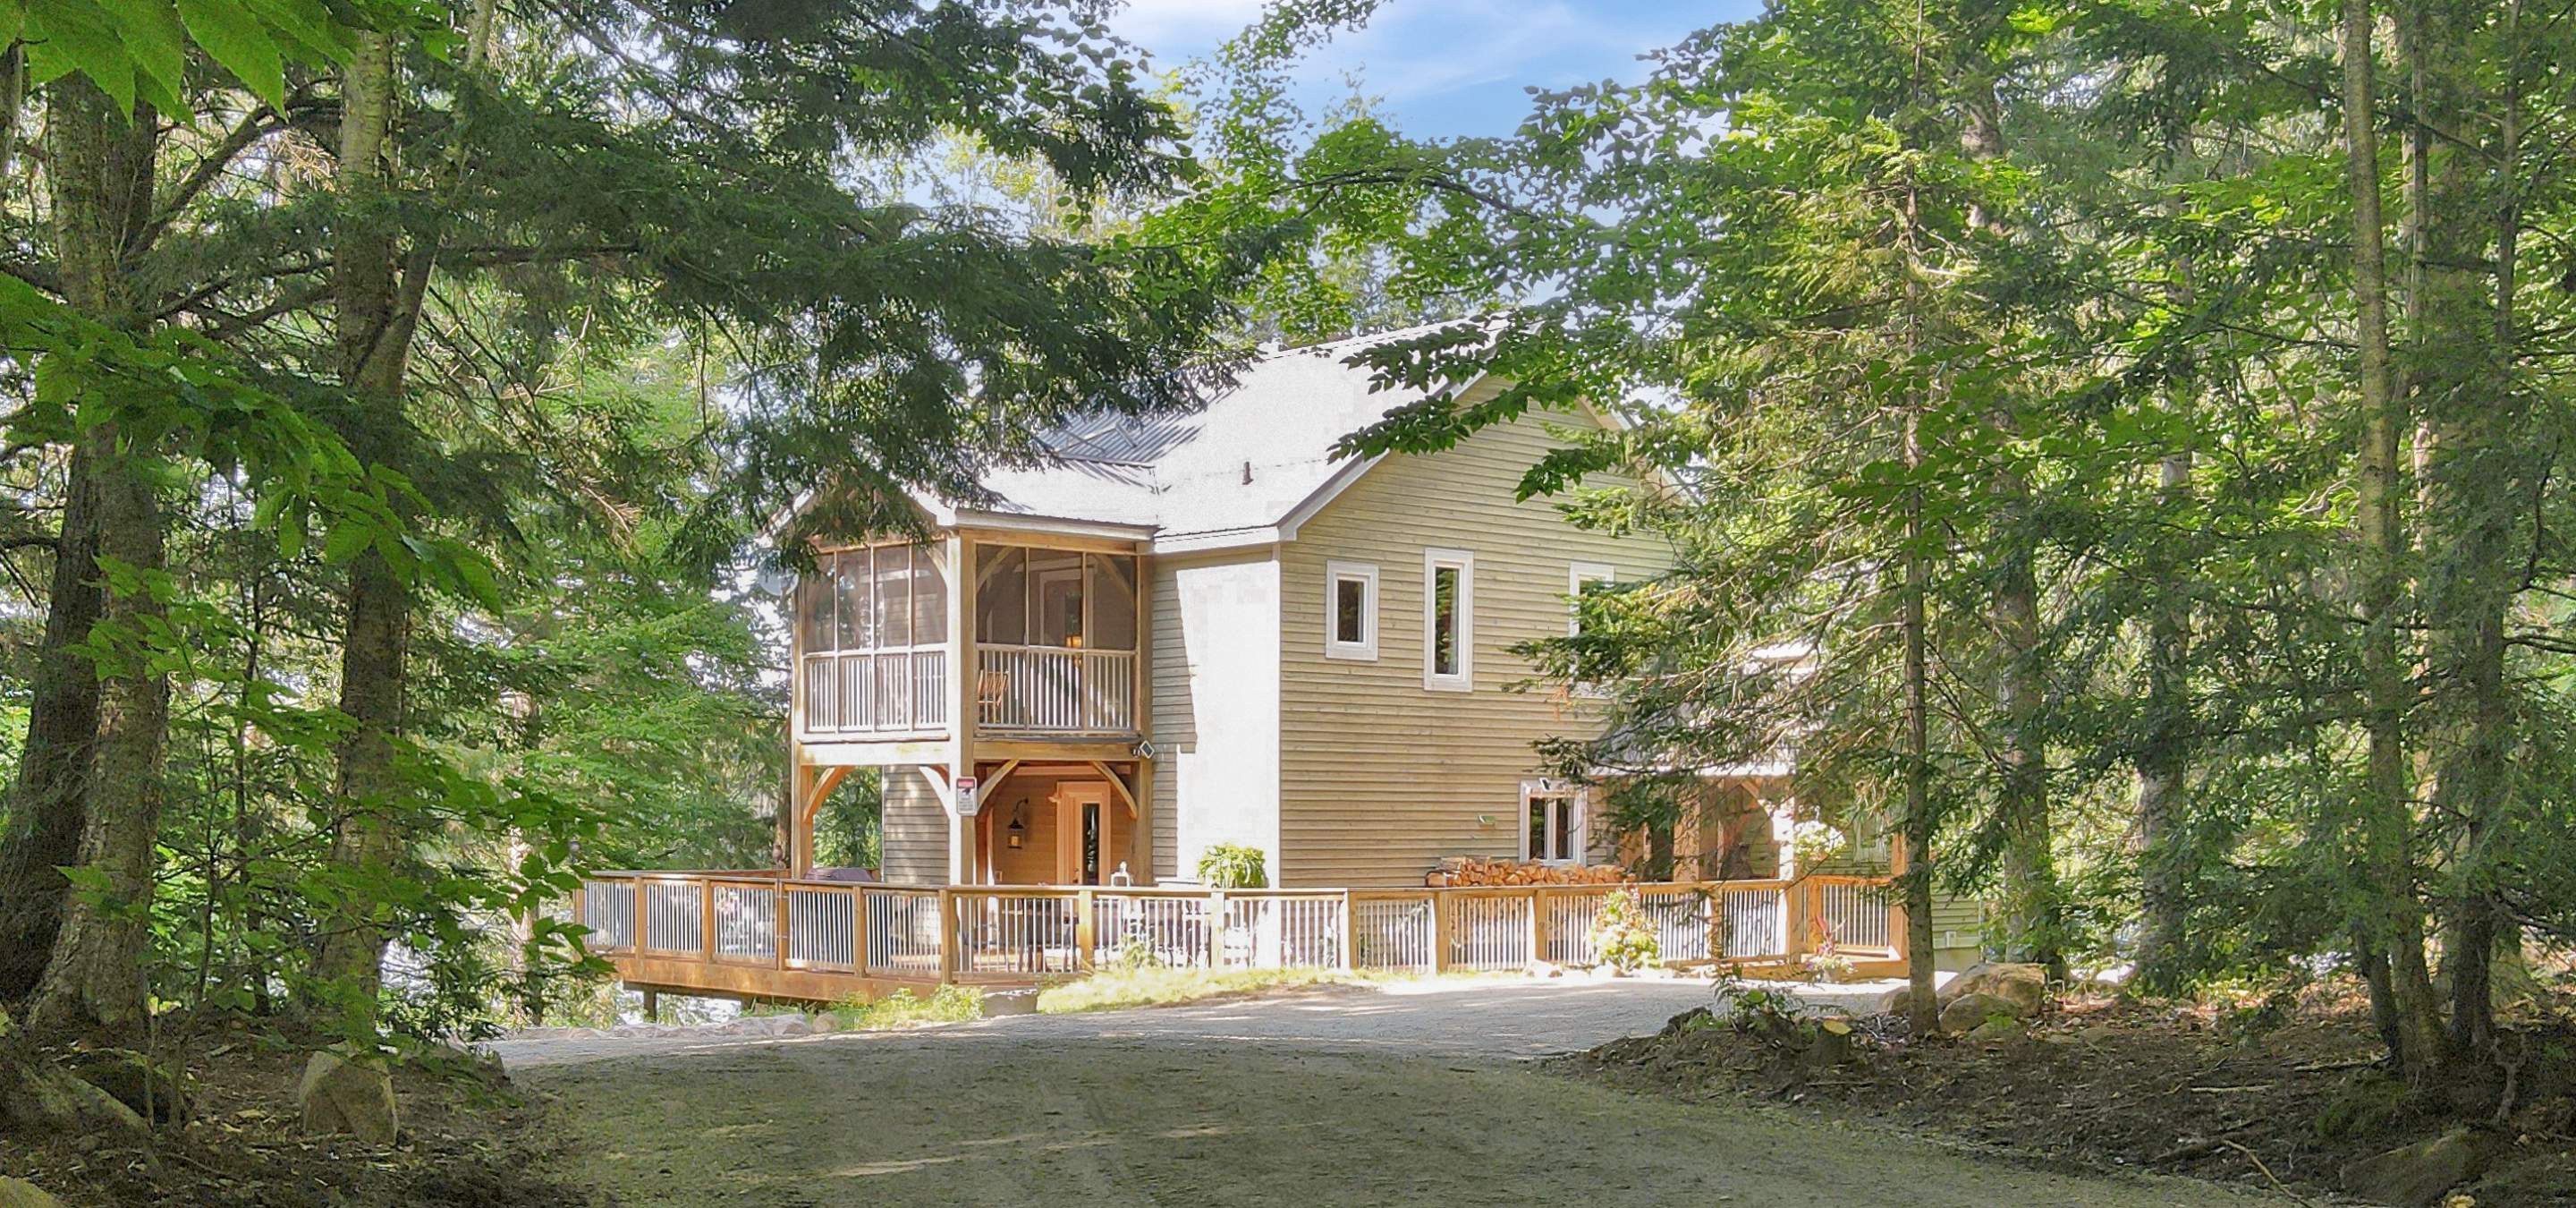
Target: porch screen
[(1060, 599), (887, 597)]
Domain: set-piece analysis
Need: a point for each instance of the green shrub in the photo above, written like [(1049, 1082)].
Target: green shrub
[(1620, 937), (1234, 866), (903, 1009)]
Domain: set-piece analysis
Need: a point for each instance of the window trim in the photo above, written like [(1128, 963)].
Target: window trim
[(1579, 833), (1336, 574), (1576, 575), (1434, 560)]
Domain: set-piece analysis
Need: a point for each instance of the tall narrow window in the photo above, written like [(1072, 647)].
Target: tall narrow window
[(1448, 620), (1579, 576), (1350, 611), (1552, 823)]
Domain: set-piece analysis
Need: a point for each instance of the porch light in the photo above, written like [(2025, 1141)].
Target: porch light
[(1018, 833)]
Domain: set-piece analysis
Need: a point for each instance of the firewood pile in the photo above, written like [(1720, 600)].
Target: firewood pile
[(1476, 870)]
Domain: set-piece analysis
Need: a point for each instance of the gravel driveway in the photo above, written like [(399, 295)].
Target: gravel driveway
[(1341, 1096)]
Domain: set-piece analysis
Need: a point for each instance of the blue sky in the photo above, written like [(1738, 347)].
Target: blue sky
[(1448, 67)]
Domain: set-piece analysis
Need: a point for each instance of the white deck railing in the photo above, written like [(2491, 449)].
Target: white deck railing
[(1025, 933), (898, 690), (1055, 689)]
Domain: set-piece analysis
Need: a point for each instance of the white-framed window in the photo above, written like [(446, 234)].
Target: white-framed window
[(1448, 620), (1576, 575), (1554, 829), (1350, 611)]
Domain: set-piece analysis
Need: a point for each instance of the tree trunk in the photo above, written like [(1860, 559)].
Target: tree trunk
[(2385, 871), (374, 335), (102, 166), (2164, 880), (46, 803), (2030, 903), (2476, 477)]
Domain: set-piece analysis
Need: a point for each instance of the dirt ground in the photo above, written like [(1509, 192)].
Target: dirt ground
[(463, 1143), (2286, 1090), (1342, 1097)]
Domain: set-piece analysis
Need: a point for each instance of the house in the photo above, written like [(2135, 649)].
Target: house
[(1202, 629), (1190, 630)]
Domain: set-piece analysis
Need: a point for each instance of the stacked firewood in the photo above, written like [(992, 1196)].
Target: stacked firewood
[(1476, 870)]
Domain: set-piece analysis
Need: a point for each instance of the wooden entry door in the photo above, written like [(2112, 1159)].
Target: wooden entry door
[(1085, 832)]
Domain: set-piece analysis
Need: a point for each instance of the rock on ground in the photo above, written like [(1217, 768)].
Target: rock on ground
[(19, 1193), (339, 1095), (2419, 1174), (2025, 986), (1971, 1011), (39, 1096), (145, 1086)]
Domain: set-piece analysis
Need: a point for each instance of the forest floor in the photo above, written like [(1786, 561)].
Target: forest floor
[(464, 1142), (2286, 1091), (1331, 1096)]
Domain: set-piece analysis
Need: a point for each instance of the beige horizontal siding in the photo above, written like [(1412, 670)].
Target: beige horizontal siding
[(1380, 777), (916, 829)]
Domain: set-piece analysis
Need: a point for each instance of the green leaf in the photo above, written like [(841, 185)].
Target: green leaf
[(150, 34), (240, 42)]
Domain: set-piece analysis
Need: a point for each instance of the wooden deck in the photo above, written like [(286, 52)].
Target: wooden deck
[(761, 934)]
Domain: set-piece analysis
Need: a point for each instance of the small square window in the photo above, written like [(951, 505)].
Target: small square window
[(1350, 611)]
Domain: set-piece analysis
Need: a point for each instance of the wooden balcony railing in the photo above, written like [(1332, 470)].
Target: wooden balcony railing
[(1021, 934), (1055, 689), (893, 690)]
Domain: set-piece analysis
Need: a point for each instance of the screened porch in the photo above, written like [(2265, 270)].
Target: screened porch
[(1055, 642)]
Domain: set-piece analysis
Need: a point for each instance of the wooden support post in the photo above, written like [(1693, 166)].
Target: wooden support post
[(1084, 942), (1538, 925), (858, 930), (1348, 947), (948, 925), (1439, 931), (643, 921), (1216, 928), (1715, 896), (707, 919), (652, 1006), (1896, 920), (963, 709), (778, 937)]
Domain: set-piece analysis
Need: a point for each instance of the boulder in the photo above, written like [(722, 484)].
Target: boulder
[(1896, 1002), (2026, 986), (1968, 1012), (998, 1003), (140, 1083), (342, 1095), (19, 1193), (2419, 1174), (1995, 1028), (40, 1096)]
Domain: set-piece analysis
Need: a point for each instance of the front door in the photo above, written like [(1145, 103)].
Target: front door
[(1085, 832)]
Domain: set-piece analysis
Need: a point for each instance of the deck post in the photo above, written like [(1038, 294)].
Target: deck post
[(1215, 927), (643, 921), (1538, 925), (707, 919), (1716, 899), (1439, 931), (1084, 942), (778, 937), (1347, 946), (1899, 945), (948, 924), (652, 1006), (858, 930)]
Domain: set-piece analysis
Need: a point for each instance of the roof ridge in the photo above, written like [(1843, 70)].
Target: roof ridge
[(1391, 333)]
